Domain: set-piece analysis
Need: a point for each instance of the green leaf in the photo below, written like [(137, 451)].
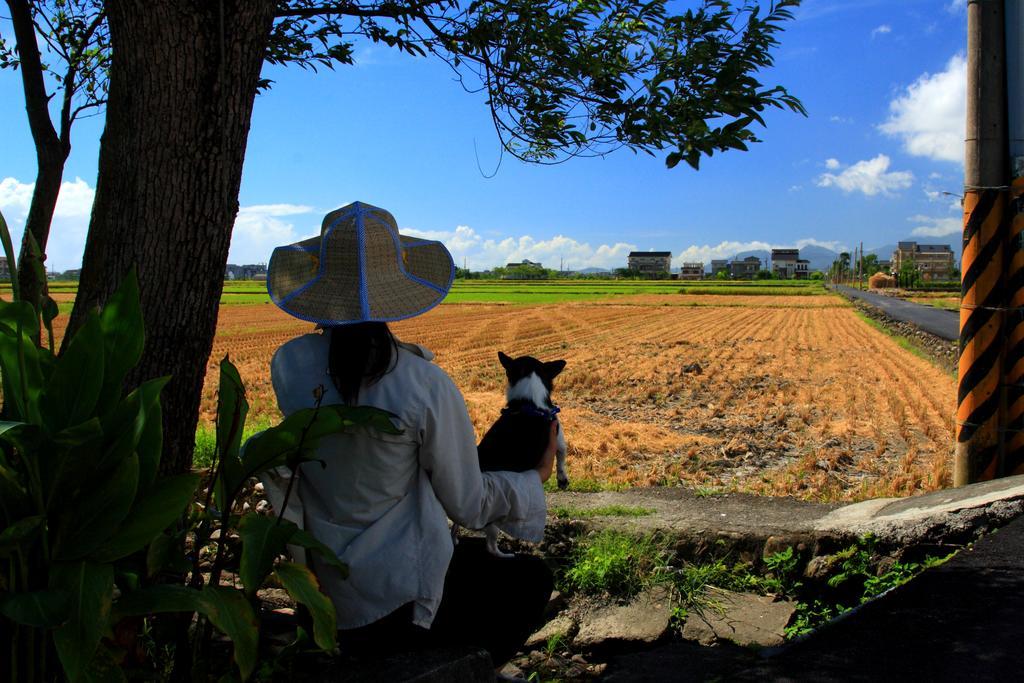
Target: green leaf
[(159, 553), (151, 514), (19, 363), (5, 234), (304, 539), (151, 438), (90, 587), (123, 337), (300, 432), (232, 408), (104, 668), (72, 390), (263, 540), (19, 533), (302, 585), (127, 424), (232, 614), (91, 517), (159, 599), (39, 609)]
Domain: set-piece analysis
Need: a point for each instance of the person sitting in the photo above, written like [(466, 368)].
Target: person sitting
[(382, 502)]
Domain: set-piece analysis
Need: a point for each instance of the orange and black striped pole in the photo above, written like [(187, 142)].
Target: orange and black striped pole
[(1013, 454), (983, 299)]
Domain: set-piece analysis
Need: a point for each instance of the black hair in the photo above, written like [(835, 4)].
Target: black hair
[(360, 352)]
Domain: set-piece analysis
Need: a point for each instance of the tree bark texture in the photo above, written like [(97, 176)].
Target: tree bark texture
[(182, 83), (51, 151)]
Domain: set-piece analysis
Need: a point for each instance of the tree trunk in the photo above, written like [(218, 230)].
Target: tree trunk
[(182, 83), (51, 151)]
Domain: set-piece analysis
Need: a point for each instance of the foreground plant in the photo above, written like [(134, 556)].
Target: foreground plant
[(93, 542)]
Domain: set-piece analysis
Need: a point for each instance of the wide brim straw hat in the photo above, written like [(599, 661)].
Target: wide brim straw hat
[(359, 270)]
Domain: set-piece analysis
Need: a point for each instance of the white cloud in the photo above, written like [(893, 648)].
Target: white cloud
[(871, 176), (832, 164), (929, 117), (70, 219), (834, 245), (835, 118), (955, 6), (880, 30), (933, 226), (259, 229), (479, 253)]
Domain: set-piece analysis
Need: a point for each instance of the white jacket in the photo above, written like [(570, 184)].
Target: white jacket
[(382, 501)]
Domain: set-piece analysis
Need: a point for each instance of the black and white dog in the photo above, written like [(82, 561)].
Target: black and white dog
[(517, 441)]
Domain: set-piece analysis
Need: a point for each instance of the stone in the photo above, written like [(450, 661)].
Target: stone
[(561, 625), (643, 620), (740, 618)]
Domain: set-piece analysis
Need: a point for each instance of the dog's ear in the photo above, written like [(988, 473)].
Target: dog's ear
[(554, 367), (505, 360)]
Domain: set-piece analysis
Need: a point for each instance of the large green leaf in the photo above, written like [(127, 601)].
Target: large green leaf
[(104, 668), (15, 535), (41, 609), (13, 491), (123, 337), (232, 614), (69, 461), (152, 513), (263, 540), (232, 408), (90, 586), (91, 518), (304, 539), (303, 587), (72, 390), (20, 365), (158, 600), (151, 438), (298, 434), (126, 424)]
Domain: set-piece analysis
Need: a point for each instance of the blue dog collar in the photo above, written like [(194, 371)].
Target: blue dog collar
[(529, 409)]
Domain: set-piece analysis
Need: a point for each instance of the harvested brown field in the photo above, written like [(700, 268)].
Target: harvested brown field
[(774, 395)]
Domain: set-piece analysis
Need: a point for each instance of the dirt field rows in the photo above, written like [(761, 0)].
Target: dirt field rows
[(777, 395)]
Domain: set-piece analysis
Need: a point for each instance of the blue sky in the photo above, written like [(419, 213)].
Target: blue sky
[(883, 82)]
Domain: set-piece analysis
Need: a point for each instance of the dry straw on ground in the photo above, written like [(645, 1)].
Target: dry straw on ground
[(775, 395)]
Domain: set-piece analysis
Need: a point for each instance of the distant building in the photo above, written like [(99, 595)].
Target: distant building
[(252, 271), (524, 270), (5, 271), (803, 269), (718, 266), (525, 263), (650, 262), (784, 263), (691, 271), (745, 269), (933, 261)]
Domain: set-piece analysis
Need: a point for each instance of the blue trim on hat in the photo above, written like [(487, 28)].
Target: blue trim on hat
[(401, 265), (364, 294), (360, 208)]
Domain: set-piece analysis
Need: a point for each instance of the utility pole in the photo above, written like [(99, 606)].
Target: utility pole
[(1013, 375), (979, 394)]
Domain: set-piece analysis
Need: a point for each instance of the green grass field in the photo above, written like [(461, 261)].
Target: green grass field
[(527, 292)]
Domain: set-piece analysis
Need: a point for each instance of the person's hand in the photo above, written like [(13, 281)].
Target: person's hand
[(547, 461)]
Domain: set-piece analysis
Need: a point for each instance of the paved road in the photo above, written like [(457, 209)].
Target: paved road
[(944, 324)]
